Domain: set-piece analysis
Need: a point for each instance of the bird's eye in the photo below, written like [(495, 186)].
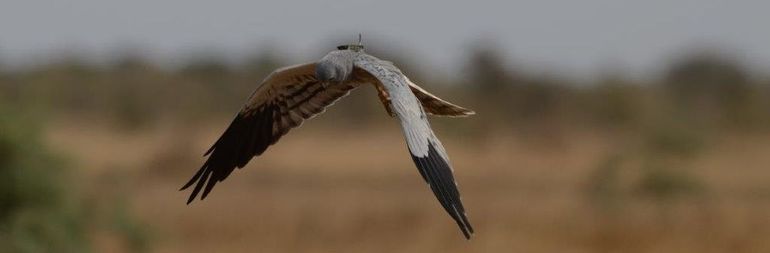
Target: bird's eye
[(343, 47)]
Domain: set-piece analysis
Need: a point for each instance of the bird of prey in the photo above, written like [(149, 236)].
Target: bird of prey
[(293, 94)]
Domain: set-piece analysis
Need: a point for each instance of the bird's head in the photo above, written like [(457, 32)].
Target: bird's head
[(338, 65)]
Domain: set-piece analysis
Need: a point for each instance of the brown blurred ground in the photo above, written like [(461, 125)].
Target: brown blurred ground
[(358, 192), (678, 164)]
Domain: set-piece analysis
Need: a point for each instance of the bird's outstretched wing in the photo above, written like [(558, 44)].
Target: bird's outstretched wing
[(426, 150), (286, 98)]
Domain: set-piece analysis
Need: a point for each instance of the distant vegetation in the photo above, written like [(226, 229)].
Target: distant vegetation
[(36, 210), (40, 206), (714, 91)]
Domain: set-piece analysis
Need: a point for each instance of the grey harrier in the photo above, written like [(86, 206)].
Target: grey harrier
[(290, 95)]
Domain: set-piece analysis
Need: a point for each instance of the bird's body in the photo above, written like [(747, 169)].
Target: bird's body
[(290, 95)]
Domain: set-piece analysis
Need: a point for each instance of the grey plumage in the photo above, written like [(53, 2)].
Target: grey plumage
[(421, 141), (335, 66), (291, 95)]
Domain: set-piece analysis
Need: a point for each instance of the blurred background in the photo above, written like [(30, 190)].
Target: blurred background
[(601, 126)]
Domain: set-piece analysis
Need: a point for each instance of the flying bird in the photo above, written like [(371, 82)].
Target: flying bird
[(293, 94)]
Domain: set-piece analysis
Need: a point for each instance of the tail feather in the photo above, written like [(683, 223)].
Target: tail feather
[(436, 106)]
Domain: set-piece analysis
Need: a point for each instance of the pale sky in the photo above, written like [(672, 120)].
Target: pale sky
[(580, 38)]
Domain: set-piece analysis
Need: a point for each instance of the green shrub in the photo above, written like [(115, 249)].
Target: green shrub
[(36, 214)]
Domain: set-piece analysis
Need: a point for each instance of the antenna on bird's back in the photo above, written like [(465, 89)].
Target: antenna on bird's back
[(353, 47)]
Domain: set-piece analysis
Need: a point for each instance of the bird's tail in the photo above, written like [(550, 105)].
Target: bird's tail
[(436, 106)]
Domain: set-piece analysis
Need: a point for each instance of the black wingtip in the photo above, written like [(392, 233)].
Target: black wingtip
[(195, 178), (192, 180), (465, 225), (437, 172), (192, 196), (201, 177), (190, 200)]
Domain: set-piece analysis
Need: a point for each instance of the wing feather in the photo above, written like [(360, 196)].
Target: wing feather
[(284, 100), (426, 150)]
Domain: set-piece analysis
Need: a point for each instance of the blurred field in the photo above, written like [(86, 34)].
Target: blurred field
[(678, 164), (358, 192)]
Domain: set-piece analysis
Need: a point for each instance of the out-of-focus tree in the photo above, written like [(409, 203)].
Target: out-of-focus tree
[(489, 82), (487, 71), (505, 94), (615, 102), (71, 82), (710, 87), (137, 92), (536, 99)]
